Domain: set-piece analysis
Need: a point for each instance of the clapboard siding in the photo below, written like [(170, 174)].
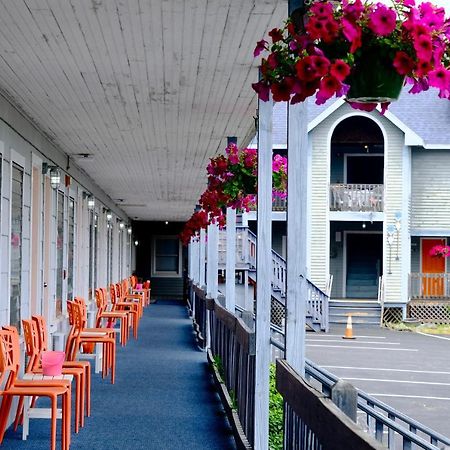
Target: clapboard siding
[(320, 178), (430, 190)]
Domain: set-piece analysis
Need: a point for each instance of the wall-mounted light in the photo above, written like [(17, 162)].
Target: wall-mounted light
[(166, 222), (398, 226), (136, 243), (55, 175), (129, 230), (390, 241), (121, 225), (91, 202)]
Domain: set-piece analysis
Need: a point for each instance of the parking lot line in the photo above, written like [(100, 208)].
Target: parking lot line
[(437, 372), (354, 347), (340, 335), (408, 396), (434, 336), (362, 342), (397, 381)]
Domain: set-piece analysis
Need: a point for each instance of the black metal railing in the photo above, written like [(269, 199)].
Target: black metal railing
[(200, 318)]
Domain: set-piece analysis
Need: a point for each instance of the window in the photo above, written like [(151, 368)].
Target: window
[(16, 244), (91, 250), (95, 250), (70, 247), (166, 256)]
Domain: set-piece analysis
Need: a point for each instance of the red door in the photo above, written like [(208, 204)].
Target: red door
[(432, 286)]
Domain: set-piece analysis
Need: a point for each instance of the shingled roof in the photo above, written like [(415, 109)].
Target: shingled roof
[(425, 114)]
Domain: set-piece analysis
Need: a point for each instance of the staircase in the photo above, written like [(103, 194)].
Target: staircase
[(363, 311), (316, 302)]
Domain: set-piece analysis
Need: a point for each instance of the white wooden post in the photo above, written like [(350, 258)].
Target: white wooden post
[(212, 285), (264, 269), (297, 288), (230, 287), (191, 259), (201, 260)]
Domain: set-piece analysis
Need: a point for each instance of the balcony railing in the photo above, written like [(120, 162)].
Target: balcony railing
[(356, 197), (423, 286)]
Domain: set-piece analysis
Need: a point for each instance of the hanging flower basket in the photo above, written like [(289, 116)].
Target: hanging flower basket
[(357, 49), (232, 182), (373, 79), (440, 251)]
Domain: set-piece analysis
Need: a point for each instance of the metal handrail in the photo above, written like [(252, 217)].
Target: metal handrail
[(367, 403)]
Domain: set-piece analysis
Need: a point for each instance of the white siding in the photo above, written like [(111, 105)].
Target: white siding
[(319, 193), (431, 191)]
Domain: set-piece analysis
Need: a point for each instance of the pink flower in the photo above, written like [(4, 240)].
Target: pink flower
[(353, 10), (262, 88), (260, 47), (329, 85), (281, 92), (312, 67), (423, 47), (276, 35), (403, 63), (382, 20), (340, 70), (322, 10), (440, 78), (352, 33)]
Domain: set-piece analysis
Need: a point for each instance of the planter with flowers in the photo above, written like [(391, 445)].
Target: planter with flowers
[(363, 50), (232, 183), (440, 251)]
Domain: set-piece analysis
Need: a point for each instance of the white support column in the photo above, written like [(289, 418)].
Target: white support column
[(201, 259), (212, 285), (230, 287), (190, 259), (264, 275), (297, 236)]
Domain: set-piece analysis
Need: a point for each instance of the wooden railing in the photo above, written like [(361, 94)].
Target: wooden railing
[(356, 197), (424, 286), (199, 307), (278, 204), (233, 351), (312, 421)]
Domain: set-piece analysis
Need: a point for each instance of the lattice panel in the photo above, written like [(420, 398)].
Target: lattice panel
[(392, 315), (430, 311), (277, 313)]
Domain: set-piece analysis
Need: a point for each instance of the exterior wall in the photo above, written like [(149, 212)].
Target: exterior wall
[(394, 199), (22, 143), (430, 202)]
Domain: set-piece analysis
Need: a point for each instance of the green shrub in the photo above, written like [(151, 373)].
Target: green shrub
[(276, 429)]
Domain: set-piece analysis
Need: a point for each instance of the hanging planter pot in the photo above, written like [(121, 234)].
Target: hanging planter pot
[(373, 79)]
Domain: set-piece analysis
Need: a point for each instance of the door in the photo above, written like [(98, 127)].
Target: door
[(432, 284)]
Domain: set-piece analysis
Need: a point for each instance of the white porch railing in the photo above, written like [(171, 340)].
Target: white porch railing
[(356, 197), (317, 300), (424, 286)]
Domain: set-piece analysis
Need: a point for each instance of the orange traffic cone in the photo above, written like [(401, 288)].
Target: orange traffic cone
[(349, 329)]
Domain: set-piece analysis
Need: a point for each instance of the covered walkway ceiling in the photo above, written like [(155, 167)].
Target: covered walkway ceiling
[(149, 89)]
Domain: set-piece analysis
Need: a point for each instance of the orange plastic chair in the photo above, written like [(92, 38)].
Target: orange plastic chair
[(131, 307), (111, 316), (79, 334), (144, 290), (124, 295), (33, 351), (41, 327), (9, 364)]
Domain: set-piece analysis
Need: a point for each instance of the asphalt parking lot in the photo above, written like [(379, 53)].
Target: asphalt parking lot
[(408, 371)]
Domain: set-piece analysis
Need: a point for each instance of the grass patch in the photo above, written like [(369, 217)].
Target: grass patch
[(276, 431), (423, 328)]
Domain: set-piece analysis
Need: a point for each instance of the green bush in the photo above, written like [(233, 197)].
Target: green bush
[(276, 429)]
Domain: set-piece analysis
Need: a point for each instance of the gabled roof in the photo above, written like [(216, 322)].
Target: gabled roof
[(424, 118)]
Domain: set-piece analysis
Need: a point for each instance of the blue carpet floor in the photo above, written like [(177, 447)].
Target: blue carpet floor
[(163, 397)]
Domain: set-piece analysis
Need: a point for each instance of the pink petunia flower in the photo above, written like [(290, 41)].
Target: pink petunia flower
[(403, 63), (260, 47), (382, 20), (340, 70)]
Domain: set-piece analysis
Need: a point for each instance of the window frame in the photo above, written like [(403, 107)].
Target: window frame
[(167, 274)]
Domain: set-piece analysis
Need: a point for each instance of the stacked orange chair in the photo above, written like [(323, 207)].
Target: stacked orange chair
[(33, 352), (111, 316), (41, 327), (13, 387), (79, 334), (131, 308)]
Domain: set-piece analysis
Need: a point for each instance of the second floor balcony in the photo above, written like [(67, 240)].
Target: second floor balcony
[(357, 197)]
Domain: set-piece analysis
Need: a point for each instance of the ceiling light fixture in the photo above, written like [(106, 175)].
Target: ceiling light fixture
[(55, 175)]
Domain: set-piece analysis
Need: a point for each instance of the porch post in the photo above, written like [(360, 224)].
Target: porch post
[(297, 288), (213, 261), (201, 259), (230, 287), (264, 275)]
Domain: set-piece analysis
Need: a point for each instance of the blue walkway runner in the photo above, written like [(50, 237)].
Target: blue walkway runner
[(163, 397)]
